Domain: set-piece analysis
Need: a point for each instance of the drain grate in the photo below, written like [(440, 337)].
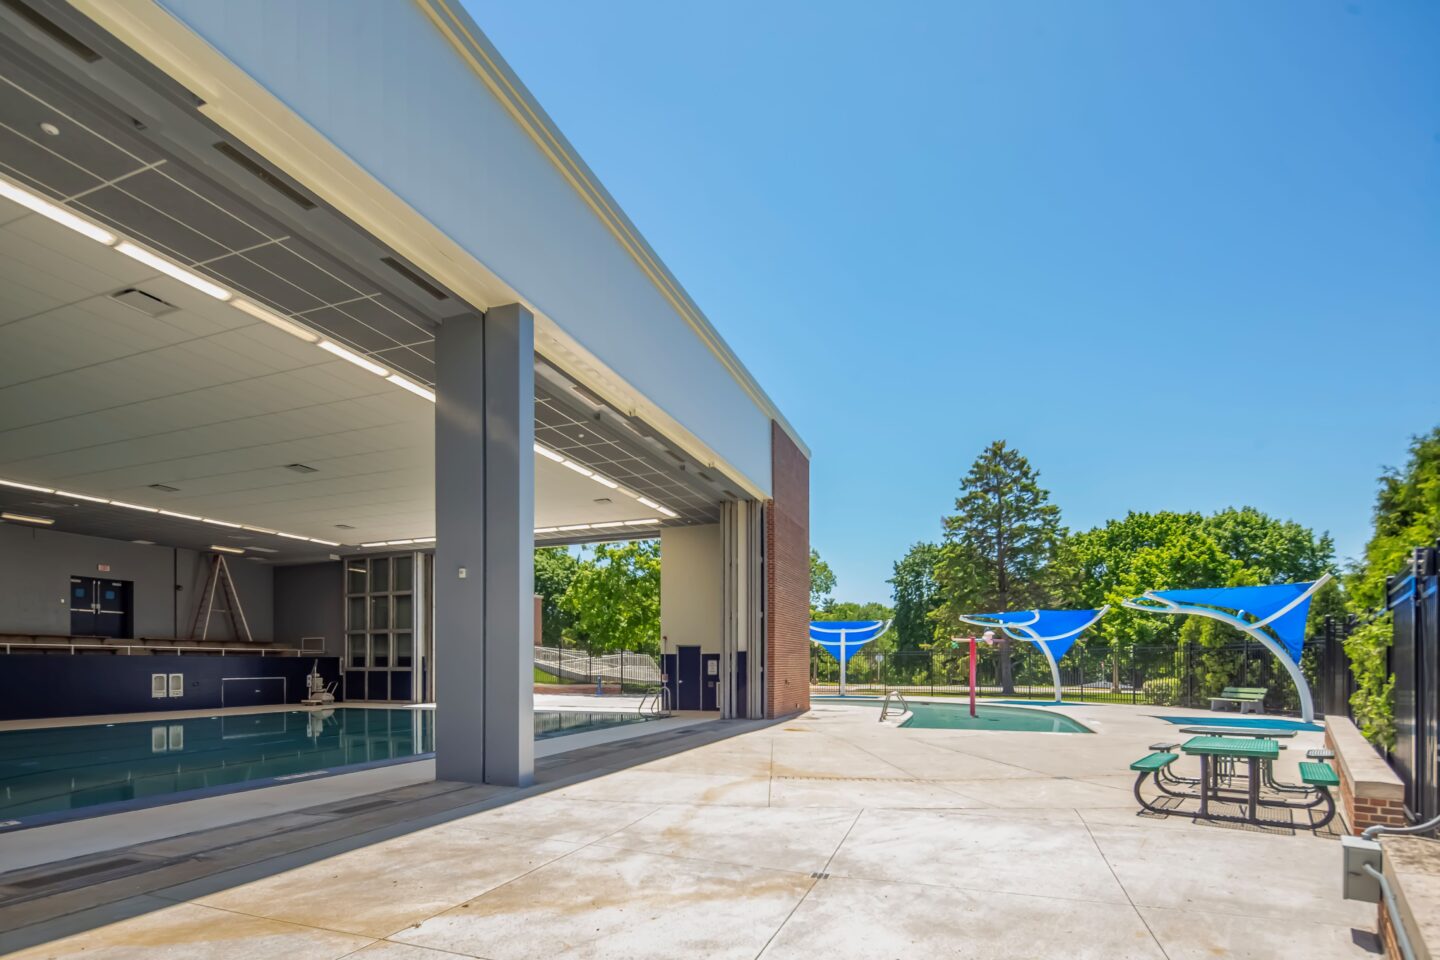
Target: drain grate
[(362, 807), (74, 873)]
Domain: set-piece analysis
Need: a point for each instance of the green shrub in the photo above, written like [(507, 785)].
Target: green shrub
[(1161, 691), (1374, 699)]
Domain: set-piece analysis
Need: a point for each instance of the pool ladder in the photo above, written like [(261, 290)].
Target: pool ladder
[(658, 700), (885, 707)]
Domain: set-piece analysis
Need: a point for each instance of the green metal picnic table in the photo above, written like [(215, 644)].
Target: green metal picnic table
[(1252, 750)]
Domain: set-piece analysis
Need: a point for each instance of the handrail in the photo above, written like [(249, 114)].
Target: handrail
[(885, 707), (661, 706)]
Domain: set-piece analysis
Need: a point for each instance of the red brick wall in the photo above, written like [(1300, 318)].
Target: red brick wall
[(1362, 811), (787, 579)]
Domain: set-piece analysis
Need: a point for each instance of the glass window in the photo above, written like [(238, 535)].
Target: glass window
[(356, 654), (404, 577), (379, 650), (355, 577), (379, 613), (380, 575), (357, 613), (404, 612), (404, 650)]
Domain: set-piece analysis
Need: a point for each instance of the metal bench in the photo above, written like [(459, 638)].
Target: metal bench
[(1248, 699), (1320, 753)]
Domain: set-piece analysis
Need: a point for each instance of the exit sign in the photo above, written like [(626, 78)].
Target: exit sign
[(103, 567)]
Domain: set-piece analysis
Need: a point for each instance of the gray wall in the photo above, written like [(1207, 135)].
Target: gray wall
[(36, 566), (310, 602)]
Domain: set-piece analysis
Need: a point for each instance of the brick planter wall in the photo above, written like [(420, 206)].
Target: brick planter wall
[(1370, 792), (787, 579)]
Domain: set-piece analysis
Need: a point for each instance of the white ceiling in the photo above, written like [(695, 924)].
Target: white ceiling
[(101, 399)]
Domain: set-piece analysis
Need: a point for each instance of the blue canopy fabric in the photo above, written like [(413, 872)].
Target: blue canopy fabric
[(1055, 630), (1258, 603), (855, 633)]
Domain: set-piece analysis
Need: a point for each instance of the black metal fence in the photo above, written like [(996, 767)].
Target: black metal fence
[(1184, 675), (1413, 599)]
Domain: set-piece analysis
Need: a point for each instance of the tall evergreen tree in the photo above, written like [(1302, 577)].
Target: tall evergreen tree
[(998, 544), (917, 595)]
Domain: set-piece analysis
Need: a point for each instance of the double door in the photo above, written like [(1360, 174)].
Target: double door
[(100, 607), (697, 679)]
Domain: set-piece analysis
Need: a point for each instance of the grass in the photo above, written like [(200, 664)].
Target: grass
[(542, 677)]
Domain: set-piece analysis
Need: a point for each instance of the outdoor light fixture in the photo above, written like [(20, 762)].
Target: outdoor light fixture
[(546, 529), (414, 388), (52, 211), (572, 465), (647, 502), (274, 319), (187, 277), (354, 358), (26, 518), (546, 452), (218, 548)]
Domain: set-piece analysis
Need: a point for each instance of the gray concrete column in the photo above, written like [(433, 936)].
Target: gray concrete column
[(484, 551)]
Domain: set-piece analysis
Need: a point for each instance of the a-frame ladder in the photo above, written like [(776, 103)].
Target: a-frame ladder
[(216, 581)]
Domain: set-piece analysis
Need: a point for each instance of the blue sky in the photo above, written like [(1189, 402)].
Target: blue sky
[(1181, 255)]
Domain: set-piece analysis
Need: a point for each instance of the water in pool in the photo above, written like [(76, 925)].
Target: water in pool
[(943, 716), (56, 769), (956, 716)]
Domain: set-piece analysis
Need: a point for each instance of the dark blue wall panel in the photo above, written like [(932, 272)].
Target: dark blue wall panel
[(71, 686)]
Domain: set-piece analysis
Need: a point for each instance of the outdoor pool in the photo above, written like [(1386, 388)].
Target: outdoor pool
[(47, 774)]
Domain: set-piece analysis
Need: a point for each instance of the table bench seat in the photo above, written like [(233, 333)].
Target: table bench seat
[(1319, 775), (1155, 761)]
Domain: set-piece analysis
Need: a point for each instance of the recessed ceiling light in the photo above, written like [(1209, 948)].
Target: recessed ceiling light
[(221, 523), (49, 129), (77, 496), (572, 465), (134, 506), (414, 388), (144, 543), (26, 486), (354, 358), (220, 548), (52, 211), (186, 277), (178, 516), (274, 319), (26, 518)]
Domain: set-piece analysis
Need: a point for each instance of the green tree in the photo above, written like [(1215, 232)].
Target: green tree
[(998, 544), (822, 583), (917, 596), (614, 598), (1406, 516), (555, 568)]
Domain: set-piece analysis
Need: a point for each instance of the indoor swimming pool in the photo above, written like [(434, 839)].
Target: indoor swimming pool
[(51, 772)]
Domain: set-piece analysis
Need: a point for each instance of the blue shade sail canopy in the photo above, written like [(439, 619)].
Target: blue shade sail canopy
[(1054, 630), (841, 638), (1274, 615), (1281, 609)]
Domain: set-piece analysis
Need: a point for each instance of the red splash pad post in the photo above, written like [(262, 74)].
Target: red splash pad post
[(972, 676)]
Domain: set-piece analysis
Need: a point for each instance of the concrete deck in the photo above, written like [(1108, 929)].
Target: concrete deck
[(826, 835)]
